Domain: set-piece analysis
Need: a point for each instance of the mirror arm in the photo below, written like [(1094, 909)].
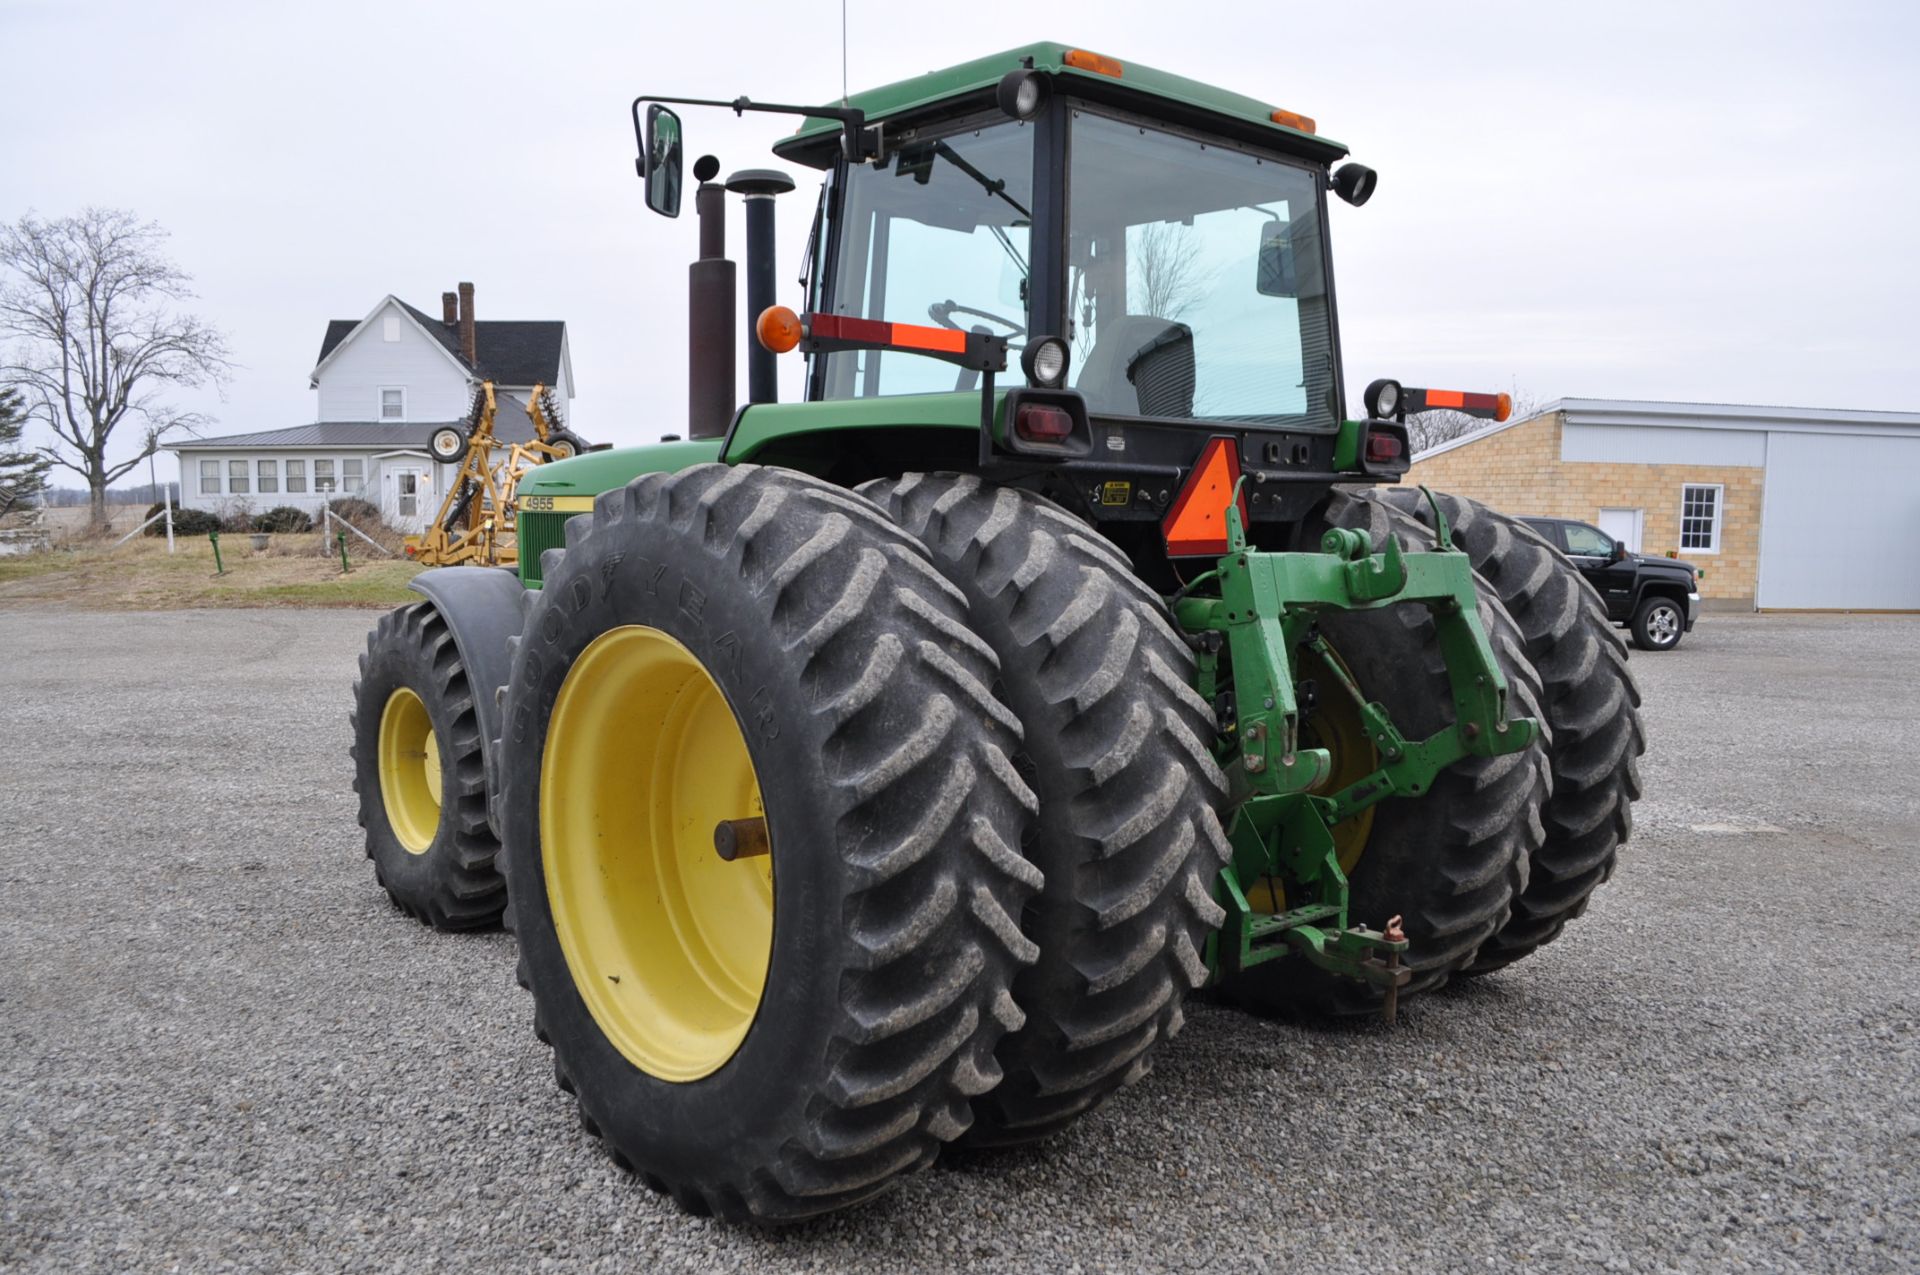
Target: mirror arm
[(857, 140)]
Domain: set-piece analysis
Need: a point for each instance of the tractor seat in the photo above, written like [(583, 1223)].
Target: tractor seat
[(1140, 366)]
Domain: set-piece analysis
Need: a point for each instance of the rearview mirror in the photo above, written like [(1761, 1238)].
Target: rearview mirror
[(1277, 274), (663, 161)]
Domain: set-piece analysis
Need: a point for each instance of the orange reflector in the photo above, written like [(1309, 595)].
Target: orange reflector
[(1197, 523), (1293, 119), (1098, 63), (778, 328), (905, 336), (1446, 398), (1502, 406)]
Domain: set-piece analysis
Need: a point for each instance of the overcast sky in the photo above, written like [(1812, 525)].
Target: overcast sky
[(1712, 201)]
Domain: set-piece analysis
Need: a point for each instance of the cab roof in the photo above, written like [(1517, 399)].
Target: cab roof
[(1143, 85)]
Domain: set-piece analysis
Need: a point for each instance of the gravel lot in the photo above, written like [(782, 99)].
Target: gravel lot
[(221, 1049)]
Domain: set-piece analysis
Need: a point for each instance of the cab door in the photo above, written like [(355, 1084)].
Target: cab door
[(1592, 551)]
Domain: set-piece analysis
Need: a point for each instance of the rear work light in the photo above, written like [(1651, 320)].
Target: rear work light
[(1038, 423)]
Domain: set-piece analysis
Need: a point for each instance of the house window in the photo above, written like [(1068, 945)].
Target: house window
[(390, 328), (269, 477), (1700, 517), (353, 473), (296, 476), (393, 405), (209, 478), (237, 477), (323, 476)]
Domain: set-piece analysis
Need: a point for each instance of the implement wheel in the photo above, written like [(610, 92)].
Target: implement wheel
[(1592, 707), (419, 772), (1449, 862), (1116, 747), (765, 828)]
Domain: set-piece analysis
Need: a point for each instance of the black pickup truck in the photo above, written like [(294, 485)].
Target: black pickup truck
[(1658, 598)]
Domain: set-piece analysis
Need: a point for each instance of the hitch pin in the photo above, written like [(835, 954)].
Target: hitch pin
[(1394, 934)]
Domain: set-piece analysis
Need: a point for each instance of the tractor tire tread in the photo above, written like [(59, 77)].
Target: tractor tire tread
[(1128, 836)]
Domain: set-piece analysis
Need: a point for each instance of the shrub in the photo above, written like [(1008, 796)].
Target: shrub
[(363, 514), (186, 522), (239, 521), (283, 518)]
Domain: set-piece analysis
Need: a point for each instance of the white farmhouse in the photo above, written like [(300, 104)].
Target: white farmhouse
[(385, 382)]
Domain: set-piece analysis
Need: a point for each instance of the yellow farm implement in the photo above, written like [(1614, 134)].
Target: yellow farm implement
[(475, 522)]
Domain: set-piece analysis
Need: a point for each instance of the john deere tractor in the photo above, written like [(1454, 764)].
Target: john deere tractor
[(881, 770)]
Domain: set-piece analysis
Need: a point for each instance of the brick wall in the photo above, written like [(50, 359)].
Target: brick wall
[(1519, 471)]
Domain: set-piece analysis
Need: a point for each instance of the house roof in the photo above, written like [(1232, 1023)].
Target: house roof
[(511, 424), (506, 351), (1740, 416)]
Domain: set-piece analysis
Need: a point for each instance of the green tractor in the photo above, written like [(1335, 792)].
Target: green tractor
[(880, 771)]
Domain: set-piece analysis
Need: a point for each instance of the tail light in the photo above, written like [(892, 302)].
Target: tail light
[(1383, 448), (1039, 423)]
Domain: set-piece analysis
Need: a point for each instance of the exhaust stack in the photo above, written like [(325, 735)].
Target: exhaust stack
[(759, 186)]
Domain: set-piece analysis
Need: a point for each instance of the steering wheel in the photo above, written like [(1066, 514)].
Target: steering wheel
[(942, 312)]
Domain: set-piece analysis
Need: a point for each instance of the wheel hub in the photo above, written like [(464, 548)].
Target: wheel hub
[(667, 942), (410, 777)]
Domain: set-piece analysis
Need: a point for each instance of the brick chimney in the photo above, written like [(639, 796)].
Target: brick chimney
[(466, 323), (449, 309)]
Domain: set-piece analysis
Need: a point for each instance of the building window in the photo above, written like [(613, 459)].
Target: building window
[(296, 476), (353, 474), (1700, 518), (237, 478), (269, 476), (209, 478), (323, 476), (393, 405)]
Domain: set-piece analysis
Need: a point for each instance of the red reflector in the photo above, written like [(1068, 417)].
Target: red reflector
[(1040, 424), (1446, 398), (1383, 448), (1197, 523)]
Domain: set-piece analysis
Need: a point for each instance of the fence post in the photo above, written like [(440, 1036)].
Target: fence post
[(167, 495)]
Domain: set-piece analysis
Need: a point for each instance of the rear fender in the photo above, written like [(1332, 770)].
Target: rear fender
[(484, 607)]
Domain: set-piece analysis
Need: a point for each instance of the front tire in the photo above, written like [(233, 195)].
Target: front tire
[(419, 771), (1658, 624), (1117, 748), (750, 644)]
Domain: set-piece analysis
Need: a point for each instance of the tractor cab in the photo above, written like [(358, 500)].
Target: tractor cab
[(1123, 263)]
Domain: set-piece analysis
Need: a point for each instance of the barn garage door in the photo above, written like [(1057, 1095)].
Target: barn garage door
[(1841, 522)]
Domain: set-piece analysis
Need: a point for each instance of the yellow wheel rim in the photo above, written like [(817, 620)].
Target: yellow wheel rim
[(410, 781), (667, 942), (1337, 727)]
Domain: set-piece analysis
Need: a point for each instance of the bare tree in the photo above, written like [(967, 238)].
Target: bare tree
[(23, 471), (1428, 430), (91, 305), (1164, 260)]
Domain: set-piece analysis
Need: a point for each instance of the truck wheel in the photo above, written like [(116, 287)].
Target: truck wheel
[(418, 768), (1658, 624), (1117, 748), (1592, 706), (1450, 862), (750, 658)]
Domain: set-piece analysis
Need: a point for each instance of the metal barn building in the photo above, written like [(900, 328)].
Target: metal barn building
[(1783, 508)]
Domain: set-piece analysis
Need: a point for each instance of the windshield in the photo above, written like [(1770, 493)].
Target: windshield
[(936, 233), (1196, 283)]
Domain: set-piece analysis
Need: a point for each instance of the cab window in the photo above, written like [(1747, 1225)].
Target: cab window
[(1587, 541)]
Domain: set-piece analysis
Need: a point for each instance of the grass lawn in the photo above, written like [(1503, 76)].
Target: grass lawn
[(141, 575)]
